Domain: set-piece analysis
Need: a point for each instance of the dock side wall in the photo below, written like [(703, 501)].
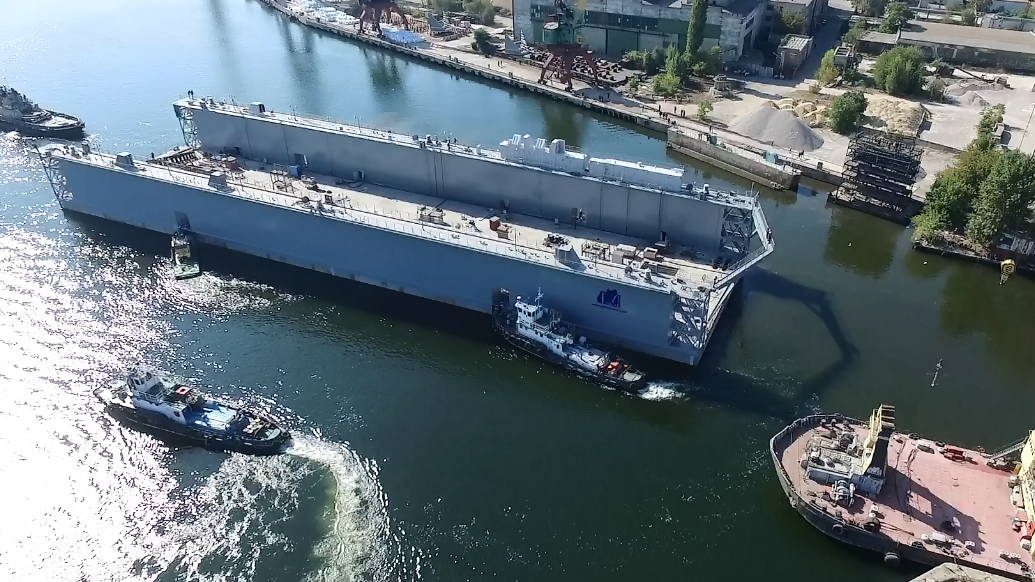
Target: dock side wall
[(398, 260), (644, 214)]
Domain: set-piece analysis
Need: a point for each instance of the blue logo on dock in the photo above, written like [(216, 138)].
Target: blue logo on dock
[(610, 299)]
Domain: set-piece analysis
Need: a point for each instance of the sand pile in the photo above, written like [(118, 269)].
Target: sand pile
[(899, 116), (779, 127), (961, 87), (972, 99)]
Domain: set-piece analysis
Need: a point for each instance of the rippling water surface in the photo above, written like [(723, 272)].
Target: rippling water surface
[(426, 451), (89, 500)]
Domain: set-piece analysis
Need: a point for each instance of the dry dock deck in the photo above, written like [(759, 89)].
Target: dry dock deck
[(680, 271)]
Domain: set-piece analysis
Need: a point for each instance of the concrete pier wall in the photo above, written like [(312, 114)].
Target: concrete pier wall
[(464, 174), (754, 169)]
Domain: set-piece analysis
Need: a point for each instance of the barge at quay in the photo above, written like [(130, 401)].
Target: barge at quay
[(633, 254), (908, 498)]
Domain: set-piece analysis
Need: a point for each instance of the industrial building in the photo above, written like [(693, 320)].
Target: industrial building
[(961, 45), (810, 11), (619, 26)]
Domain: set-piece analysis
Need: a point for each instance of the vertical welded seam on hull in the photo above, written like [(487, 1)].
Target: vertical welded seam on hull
[(247, 138), (287, 150)]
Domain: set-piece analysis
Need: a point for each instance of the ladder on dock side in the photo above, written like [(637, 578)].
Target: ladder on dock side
[(1008, 451)]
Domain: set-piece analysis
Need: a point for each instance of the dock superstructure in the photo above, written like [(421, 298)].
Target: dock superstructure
[(344, 211)]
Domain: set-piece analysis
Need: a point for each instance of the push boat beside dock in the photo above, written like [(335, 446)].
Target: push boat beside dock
[(864, 484), (539, 331)]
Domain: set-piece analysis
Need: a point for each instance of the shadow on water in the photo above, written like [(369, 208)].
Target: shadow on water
[(861, 243), (713, 382), (709, 381), (561, 122)]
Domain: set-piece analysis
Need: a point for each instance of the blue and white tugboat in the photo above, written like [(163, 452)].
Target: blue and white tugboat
[(181, 415), (540, 332)]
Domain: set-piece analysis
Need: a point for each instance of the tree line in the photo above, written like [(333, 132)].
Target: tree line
[(989, 190)]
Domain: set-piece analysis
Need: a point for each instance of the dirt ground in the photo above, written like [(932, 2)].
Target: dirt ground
[(950, 124)]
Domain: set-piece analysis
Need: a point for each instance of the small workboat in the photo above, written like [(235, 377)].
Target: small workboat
[(185, 265), (540, 332), (181, 415)]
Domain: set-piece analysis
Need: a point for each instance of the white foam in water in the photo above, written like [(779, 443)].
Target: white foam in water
[(356, 535), (229, 518), (661, 391)]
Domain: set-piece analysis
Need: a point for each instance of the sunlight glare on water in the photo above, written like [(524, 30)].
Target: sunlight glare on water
[(89, 500)]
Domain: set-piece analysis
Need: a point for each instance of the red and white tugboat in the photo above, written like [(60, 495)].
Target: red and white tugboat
[(540, 332)]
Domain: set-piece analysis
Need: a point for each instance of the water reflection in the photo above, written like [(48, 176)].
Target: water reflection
[(561, 121), (973, 302), (860, 242), (385, 77), (303, 66), (924, 265), (224, 43)]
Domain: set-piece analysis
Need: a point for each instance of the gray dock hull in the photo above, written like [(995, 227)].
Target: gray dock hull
[(640, 319)]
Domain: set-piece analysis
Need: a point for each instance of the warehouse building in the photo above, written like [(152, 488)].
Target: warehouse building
[(615, 27), (960, 45)]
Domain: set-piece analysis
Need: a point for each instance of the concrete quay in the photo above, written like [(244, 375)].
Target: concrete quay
[(741, 155), (955, 573)]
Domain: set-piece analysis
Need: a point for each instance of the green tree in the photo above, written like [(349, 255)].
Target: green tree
[(676, 64), (483, 42), (707, 62), (900, 71), (634, 84), (990, 117), (665, 85), (791, 22), (937, 89), (869, 7), (950, 200), (704, 108), (827, 70), (695, 30), (846, 112), (968, 17), (930, 224), (1005, 198), (895, 16), (488, 15), (855, 33)]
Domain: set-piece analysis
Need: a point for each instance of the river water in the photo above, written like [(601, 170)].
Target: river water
[(427, 452)]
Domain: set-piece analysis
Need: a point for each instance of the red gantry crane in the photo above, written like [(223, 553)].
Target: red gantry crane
[(561, 35), (373, 9)]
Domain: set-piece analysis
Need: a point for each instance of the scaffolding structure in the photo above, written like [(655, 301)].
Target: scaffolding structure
[(879, 174)]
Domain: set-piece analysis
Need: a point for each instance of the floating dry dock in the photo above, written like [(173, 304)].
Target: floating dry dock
[(630, 252)]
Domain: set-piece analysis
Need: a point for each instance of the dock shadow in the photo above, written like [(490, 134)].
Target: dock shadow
[(711, 381)]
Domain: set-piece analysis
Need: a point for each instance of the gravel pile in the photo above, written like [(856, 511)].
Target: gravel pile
[(962, 87), (781, 128), (972, 99)]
